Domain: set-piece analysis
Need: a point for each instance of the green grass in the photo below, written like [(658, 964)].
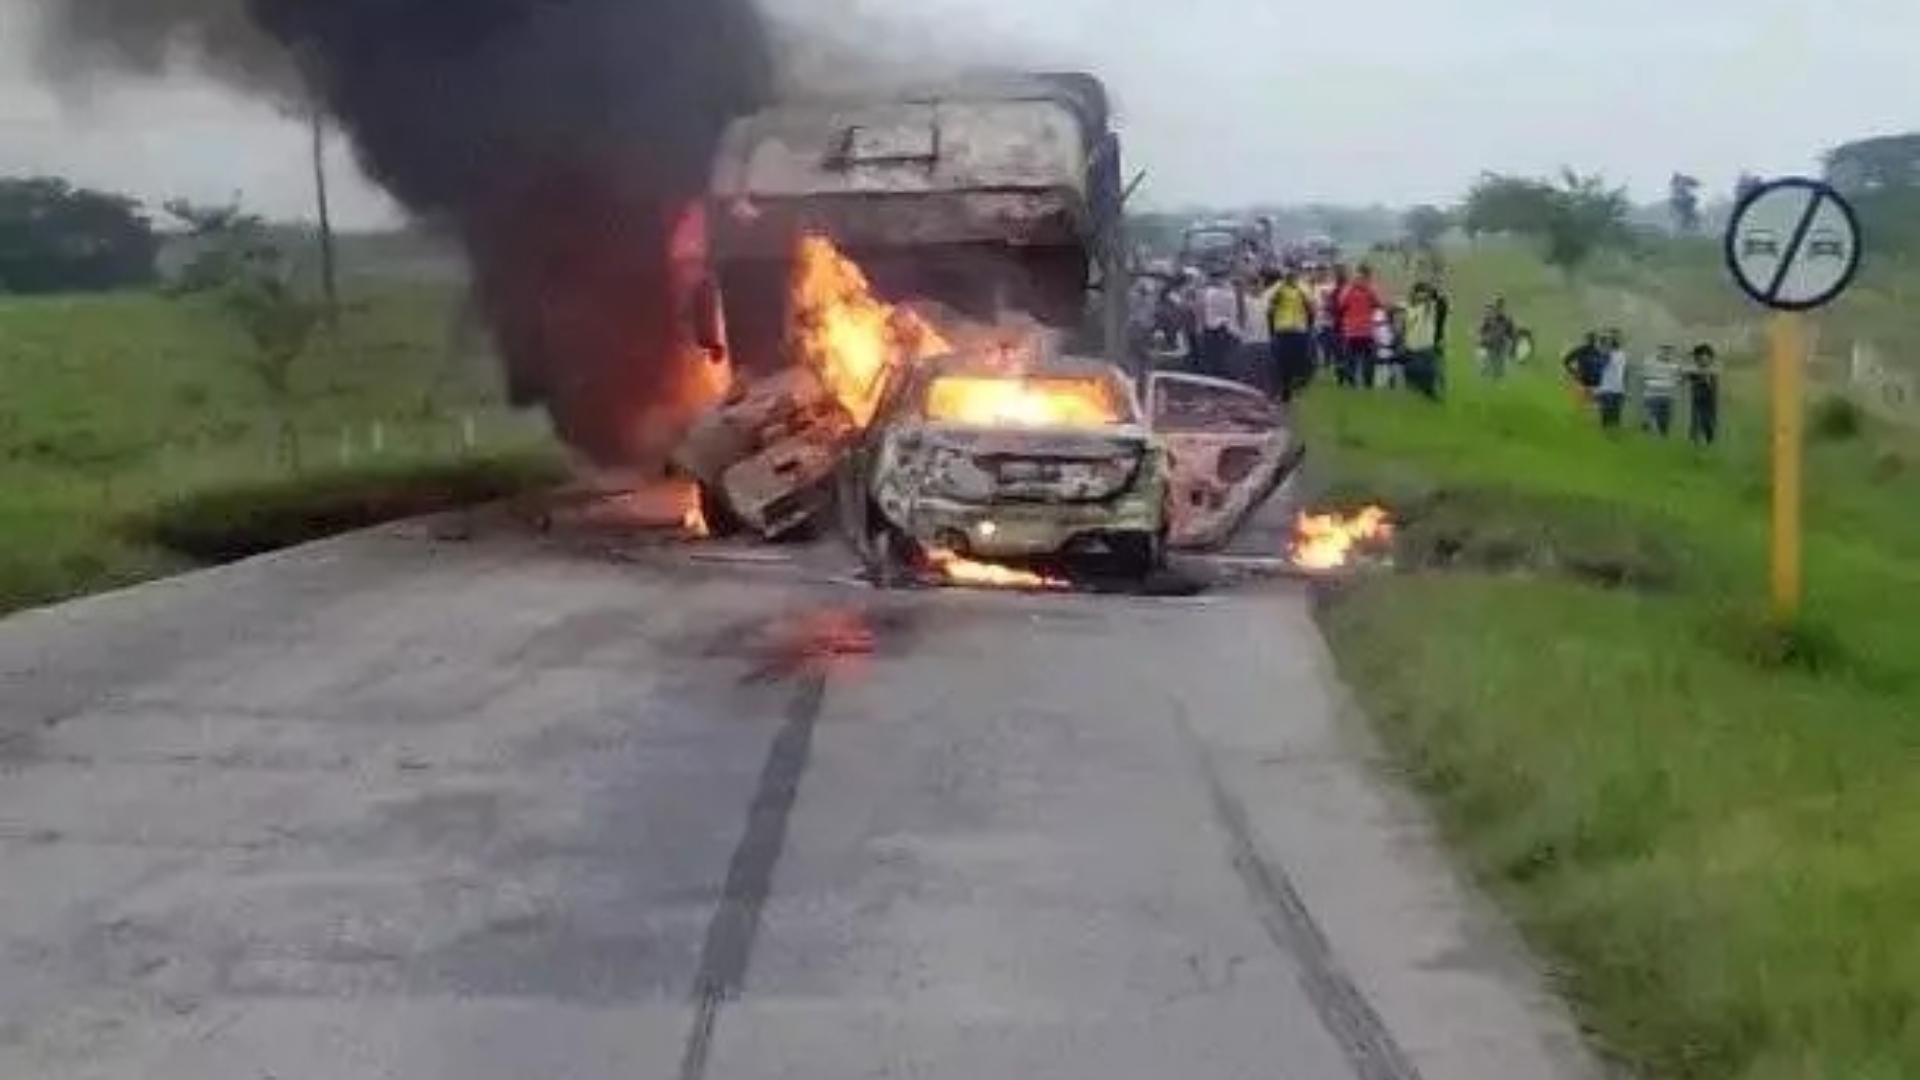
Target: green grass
[(112, 407), (1707, 823)]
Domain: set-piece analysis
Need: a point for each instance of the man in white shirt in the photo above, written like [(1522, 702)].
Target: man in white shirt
[(1220, 321), (1255, 363), (1659, 385), (1612, 391)]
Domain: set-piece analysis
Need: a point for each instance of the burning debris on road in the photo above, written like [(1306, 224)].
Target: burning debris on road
[(1335, 541), (668, 509), (767, 457), (954, 569)]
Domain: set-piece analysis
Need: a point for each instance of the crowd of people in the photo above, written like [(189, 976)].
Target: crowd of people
[(1605, 376), (1278, 328)]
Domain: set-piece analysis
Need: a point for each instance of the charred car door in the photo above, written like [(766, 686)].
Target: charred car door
[(1228, 448)]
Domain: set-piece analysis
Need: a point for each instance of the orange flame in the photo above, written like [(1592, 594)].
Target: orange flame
[(621, 503), (846, 333), (963, 571), (1330, 541), (1014, 401), (693, 523)]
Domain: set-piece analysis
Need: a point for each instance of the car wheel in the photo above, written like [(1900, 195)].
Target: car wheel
[(1139, 555), (852, 509), (891, 558)]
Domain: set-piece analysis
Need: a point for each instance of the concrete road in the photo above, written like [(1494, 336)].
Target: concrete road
[(507, 809)]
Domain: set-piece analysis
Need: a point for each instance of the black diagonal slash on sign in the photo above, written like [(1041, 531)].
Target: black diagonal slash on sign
[(1793, 246)]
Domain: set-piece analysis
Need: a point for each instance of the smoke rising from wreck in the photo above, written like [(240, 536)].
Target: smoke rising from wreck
[(560, 138)]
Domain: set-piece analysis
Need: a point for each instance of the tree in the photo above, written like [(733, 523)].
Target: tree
[(279, 324), (239, 263), (55, 237), (223, 240), (1425, 225), (1745, 186), (1869, 165), (1508, 204), (1883, 178), (1571, 219), (1683, 202), (1584, 216)]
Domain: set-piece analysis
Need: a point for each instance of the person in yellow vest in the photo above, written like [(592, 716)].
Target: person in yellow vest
[(1290, 314), (1425, 338)]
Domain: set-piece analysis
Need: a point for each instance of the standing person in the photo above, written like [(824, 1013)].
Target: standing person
[(1584, 365), (1143, 317), (1355, 307), (1611, 392), (1220, 304), (1496, 340), (1255, 359), (1326, 317), (1659, 384), (1389, 330), (1426, 323), (1289, 314), (1173, 329), (1703, 394)]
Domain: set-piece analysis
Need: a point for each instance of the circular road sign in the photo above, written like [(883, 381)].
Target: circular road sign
[(1794, 244)]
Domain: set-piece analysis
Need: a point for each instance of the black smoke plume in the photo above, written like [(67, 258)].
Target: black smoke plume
[(558, 137)]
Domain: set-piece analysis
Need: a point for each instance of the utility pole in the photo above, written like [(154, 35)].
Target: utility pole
[(329, 276)]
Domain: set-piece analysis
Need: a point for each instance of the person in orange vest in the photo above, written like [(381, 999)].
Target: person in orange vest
[(1355, 307)]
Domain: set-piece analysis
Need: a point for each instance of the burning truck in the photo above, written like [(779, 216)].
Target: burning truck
[(885, 275)]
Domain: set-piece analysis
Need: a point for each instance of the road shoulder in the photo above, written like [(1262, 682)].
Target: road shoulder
[(1445, 973)]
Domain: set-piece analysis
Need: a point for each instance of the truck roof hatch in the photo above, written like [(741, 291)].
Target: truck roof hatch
[(913, 143)]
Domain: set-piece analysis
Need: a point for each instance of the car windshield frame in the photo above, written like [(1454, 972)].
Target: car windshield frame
[(1129, 412)]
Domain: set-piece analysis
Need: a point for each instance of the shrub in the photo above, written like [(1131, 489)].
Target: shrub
[(1837, 418)]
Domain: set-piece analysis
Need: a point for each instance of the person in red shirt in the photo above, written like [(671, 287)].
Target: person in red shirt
[(1354, 308)]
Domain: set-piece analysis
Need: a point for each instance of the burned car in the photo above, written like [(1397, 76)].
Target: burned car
[(1053, 459)]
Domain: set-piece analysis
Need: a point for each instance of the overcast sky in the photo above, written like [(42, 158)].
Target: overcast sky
[(1224, 101)]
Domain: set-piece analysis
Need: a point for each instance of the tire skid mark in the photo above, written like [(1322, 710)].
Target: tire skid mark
[(736, 921), (1343, 1008)]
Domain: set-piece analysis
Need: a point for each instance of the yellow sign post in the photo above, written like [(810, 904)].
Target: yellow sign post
[(1788, 347), (1793, 245)]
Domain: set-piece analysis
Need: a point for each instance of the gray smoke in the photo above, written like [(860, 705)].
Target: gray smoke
[(559, 137), (81, 38)]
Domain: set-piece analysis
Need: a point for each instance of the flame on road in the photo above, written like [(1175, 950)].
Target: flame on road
[(1331, 541), (959, 570), (1017, 401), (622, 504), (846, 332), (694, 523)]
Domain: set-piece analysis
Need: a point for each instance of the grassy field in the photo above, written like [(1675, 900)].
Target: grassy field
[(120, 412), (1705, 823)]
